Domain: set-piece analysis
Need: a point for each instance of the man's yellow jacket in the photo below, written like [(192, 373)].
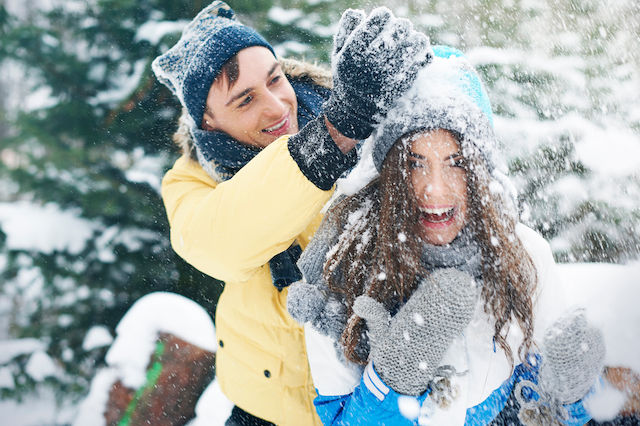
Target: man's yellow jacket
[(230, 230)]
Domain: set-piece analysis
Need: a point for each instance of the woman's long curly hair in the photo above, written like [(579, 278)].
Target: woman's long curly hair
[(370, 259)]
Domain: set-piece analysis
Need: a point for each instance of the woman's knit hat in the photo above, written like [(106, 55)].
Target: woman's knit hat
[(447, 94), (189, 68)]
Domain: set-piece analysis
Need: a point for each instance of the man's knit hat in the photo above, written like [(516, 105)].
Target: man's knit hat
[(189, 68), (447, 94)]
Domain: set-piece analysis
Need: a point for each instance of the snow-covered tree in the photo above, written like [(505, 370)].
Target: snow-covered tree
[(84, 232)]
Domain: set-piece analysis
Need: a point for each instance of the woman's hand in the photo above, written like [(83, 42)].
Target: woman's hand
[(406, 349), (572, 359)]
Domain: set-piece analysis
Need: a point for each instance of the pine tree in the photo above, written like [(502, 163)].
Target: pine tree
[(95, 149)]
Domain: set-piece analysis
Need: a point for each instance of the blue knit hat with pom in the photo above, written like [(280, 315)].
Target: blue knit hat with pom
[(448, 94), (189, 68)]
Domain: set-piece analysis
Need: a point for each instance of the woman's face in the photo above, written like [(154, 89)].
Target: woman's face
[(439, 180)]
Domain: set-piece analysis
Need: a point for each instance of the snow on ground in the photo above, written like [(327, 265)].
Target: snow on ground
[(611, 295), (609, 292)]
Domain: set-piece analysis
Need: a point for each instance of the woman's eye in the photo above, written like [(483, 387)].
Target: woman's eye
[(275, 79), (458, 162), (414, 165)]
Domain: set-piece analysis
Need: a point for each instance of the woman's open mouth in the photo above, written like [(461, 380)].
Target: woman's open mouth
[(437, 217)]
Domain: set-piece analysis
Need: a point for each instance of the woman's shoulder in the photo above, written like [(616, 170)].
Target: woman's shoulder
[(535, 244)]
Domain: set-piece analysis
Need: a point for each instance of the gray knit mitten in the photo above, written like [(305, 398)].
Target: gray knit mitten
[(407, 349), (572, 359)]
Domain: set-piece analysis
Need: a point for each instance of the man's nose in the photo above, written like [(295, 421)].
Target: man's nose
[(274, 106)]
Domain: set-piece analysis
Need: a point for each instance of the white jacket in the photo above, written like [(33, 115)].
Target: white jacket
[(484, 365)]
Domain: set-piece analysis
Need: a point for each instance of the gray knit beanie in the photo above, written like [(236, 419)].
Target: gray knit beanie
[(448, 94), (189, 68)]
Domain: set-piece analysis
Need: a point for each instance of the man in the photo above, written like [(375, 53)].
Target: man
[(246, 196)]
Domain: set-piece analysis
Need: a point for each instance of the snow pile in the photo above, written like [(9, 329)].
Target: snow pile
[(137, 334), (138, 331)]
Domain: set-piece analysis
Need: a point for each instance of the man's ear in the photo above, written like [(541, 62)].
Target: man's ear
[(207, 121)]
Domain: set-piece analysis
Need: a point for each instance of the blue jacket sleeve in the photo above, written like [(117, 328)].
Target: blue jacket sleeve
[(371, 403), (577, 414)]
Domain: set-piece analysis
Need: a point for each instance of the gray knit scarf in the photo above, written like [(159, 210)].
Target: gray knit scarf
[(310, 300), (463, 253)]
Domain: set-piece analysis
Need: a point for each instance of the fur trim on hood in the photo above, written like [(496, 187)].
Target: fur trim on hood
[(293, 69)]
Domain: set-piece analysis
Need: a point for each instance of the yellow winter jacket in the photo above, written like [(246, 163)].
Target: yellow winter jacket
[(231, 230)]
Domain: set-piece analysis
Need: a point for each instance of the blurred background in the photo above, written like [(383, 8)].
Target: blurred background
[(85, 138)]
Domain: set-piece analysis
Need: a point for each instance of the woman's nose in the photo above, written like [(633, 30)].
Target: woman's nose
[(435, 184)]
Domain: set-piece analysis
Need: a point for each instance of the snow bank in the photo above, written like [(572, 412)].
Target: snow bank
[(610, 293), (138, 331)]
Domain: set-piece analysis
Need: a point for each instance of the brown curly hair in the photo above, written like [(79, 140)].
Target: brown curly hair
[(368, 259)]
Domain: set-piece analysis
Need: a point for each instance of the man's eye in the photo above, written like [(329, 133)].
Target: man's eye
[(275, 79), (246, 101)]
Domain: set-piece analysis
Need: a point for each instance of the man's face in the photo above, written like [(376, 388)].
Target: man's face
[(259, 107)]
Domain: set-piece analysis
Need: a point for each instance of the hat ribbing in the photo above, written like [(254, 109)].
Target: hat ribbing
[(189, 68), (448, 94)]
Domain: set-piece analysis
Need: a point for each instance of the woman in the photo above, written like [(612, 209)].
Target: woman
[(424, 299)]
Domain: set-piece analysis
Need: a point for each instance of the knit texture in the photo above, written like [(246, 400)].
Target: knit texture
[(189, 68), (318, 156), (463, 253), (572, 357), (375, 60), (407, 348), (447, 94), (310, 301)]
